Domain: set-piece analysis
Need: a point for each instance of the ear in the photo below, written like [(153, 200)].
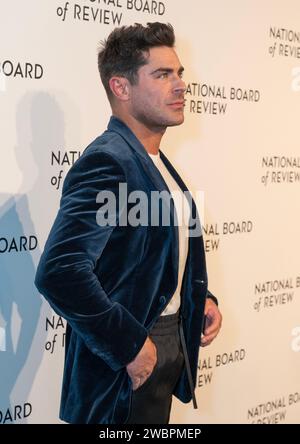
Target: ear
[(120, 88)]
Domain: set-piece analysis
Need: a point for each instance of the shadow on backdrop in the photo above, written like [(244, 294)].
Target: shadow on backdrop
[(25, 218)]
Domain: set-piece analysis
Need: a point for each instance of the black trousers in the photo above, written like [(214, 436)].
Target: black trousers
[(151, 402)]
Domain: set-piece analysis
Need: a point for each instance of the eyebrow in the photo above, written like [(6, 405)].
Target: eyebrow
[(180, 70)]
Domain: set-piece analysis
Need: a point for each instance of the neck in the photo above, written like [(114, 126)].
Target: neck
[(150, 138)]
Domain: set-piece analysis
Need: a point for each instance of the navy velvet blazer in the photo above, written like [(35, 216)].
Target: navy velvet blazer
[(112, 283)]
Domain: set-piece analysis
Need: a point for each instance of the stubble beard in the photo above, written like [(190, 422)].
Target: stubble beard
[(158, 123)]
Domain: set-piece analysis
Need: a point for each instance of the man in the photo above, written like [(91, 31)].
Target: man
[(133, 294)]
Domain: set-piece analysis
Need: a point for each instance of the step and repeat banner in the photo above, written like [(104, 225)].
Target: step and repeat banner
[(239, 149)]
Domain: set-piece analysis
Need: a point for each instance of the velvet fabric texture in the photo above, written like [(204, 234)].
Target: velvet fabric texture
[(111, 283)]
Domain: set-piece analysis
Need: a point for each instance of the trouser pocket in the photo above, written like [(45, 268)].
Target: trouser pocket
[(151, 402)]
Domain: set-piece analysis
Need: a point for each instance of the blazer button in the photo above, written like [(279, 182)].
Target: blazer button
[(162, 300)]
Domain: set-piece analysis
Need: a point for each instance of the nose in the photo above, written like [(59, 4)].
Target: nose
[(180, 86)]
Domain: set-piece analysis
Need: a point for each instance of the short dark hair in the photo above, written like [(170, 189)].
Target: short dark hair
[(125, 50)]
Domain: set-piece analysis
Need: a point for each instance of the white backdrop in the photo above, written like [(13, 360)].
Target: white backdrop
[(239, 144)]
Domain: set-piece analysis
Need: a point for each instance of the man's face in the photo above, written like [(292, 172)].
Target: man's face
[(157, 100)]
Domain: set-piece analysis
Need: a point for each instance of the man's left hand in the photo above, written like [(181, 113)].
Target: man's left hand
[(213, 322)]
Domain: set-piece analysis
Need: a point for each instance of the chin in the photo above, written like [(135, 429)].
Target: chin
[(176, 122)]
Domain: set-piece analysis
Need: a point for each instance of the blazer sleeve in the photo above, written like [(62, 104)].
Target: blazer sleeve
[(65, 273), (212, 297)]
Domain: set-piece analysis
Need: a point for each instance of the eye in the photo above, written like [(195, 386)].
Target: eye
[(163, 75)]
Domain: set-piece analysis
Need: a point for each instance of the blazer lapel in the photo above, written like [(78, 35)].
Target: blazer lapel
[(156, 178)]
